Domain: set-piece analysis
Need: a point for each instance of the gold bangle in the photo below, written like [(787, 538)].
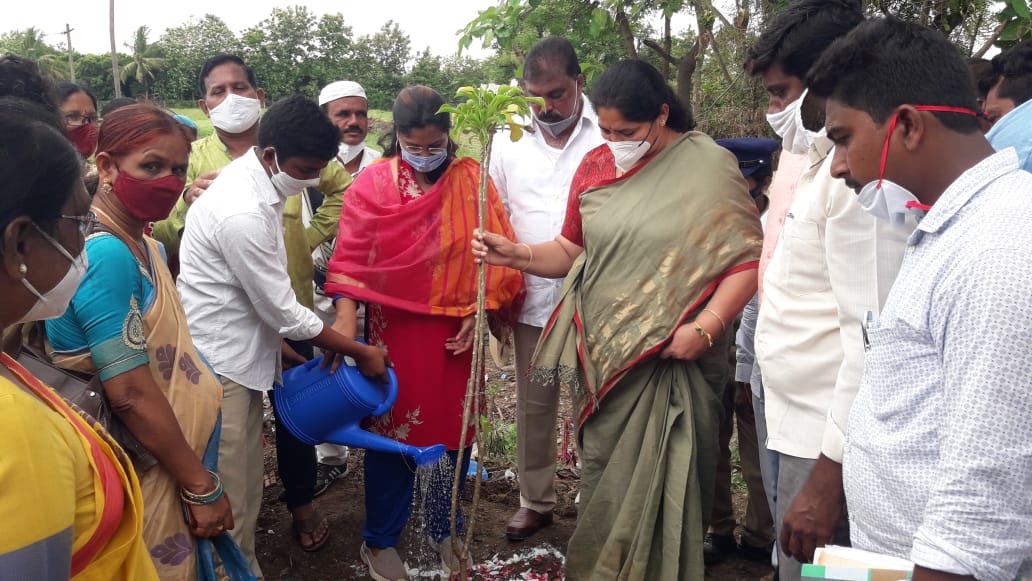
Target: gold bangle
[(723, 326), (704, 333), (529, 260)]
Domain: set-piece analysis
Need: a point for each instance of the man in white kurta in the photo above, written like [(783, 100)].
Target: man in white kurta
[(533, 177), (834, 263)]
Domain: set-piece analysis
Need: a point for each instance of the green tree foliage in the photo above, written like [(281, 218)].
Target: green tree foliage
[(186, 47), (30, 43), (283, 49), (93, 71), (1015, 25), (294, 50), (705, 65), (380, 63), (144, 62)]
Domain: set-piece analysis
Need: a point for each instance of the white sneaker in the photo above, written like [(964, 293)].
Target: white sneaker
[(387, 566), (449, 560)]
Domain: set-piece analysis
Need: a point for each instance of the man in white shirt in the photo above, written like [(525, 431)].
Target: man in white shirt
[(347, 107), (533, 177), (238, 298), (833, 264), (938, 462)]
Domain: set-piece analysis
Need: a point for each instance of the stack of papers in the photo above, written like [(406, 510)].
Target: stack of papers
[(848, 564)]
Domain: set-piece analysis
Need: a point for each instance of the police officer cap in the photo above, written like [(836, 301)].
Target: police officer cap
[(753, 153)]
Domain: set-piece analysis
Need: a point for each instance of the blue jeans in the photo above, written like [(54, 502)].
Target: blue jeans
[(389, 483)]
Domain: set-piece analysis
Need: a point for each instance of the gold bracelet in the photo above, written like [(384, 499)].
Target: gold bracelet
[(723, 326), (529, 260), (704, 333)]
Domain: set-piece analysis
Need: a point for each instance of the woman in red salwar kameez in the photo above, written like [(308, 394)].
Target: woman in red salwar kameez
[(403, 248)]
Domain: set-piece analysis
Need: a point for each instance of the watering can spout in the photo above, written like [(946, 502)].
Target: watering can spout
[(356, 437)]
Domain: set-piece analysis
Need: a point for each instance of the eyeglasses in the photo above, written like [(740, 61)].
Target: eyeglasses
[(78, 119), (87, 222), (419, 149)]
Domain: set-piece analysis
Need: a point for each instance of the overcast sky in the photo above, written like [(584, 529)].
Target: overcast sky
[(427, 23)]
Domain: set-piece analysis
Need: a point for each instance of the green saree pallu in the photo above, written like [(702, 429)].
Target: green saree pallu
[(657, 242)]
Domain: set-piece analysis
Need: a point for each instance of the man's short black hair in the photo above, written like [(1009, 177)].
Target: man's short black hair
[(296, 127), (886, 62), (982, 72), (221, 59), (116, 104), (800, 33), (1013, 69), (552, 54)]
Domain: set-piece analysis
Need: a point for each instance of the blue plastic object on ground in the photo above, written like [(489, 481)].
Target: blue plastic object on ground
[(472, 472)]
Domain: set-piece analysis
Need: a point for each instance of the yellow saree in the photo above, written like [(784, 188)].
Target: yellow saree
[(97, 497)]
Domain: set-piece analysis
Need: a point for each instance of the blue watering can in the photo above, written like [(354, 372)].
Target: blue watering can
[(318, 407)]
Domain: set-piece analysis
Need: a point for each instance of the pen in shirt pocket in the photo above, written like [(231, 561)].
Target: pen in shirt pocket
[(865, 327)]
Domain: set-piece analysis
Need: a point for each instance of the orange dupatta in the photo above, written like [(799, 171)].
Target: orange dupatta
[(414, 254)]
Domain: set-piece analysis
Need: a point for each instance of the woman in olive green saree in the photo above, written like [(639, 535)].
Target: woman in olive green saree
[(658, 249)]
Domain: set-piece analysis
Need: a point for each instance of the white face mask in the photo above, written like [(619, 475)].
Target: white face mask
[(788, 124), (628, 153), (236, 114), (288, 185), (889, 201), (54, 303), (349, 152)]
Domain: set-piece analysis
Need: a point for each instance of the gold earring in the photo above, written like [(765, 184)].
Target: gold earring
[(22, 268), (106, 187)]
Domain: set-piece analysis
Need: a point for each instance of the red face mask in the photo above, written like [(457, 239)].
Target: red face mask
[(84, 138), (148, 200)]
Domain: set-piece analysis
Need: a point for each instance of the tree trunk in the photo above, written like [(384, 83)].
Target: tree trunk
[(115, 78), (685, 73), (667, 45), (626, 34)]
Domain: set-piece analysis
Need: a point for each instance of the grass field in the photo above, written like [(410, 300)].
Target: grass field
[(204, 129)]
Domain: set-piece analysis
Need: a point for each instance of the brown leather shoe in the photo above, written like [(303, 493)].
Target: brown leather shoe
[(526, 522)]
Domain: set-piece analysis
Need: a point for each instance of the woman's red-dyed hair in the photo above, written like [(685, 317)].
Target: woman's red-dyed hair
[(127, 128)]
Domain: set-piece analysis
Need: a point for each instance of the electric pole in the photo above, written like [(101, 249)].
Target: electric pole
[(71, 62)]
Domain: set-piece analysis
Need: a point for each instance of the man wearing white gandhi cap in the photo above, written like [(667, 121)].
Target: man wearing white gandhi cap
[(345, 103)]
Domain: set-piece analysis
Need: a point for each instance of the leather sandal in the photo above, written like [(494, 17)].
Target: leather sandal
[(310, 527)]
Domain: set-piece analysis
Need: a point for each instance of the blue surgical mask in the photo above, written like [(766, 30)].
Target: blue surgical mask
[(424, 164)]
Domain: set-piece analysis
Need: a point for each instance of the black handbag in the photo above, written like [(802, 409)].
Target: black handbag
[(86, 392)]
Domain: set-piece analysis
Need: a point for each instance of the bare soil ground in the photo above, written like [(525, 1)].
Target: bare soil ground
[(540, 557)]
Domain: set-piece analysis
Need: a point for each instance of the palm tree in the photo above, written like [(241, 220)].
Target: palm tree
[(145, 61), (29, 44), (114, 51)]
